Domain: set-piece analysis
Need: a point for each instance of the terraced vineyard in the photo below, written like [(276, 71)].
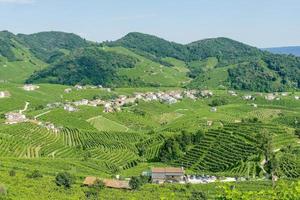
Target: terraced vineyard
[(233, 149)]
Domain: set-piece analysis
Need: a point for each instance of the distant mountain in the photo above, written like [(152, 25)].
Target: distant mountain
[(294, 50), (140, 59), (46, 45), (89, 65)]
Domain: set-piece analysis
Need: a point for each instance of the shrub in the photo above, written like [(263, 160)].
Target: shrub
[(218, 102), (12, 173), (135, 183), (198, 195), (64, 179), (35, 174), (297, 132), (99, 184)]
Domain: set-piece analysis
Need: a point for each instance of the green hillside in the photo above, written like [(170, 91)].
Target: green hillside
[(216, 107), (47, 45)]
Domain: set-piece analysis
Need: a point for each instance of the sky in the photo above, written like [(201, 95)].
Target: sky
[(261, 23)]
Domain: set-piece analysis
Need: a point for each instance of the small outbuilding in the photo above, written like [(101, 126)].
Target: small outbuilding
[(90, 181), (161, 175)]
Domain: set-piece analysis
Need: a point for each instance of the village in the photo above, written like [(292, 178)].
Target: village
[(115, 105), (161, 175)]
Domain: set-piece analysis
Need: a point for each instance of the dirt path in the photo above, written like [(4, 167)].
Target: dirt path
[(25, 107), (44, 113)]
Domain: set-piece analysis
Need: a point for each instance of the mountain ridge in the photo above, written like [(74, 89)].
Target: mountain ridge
[(158, 58)]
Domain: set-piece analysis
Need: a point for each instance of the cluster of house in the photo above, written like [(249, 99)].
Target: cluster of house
[(169, 97), (160, 175), (270, 96), (81, 87), (30, 87), (49, 126), (15, 117), (4, 94)]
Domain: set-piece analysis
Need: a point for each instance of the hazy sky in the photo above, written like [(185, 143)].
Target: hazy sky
[(262, 23)]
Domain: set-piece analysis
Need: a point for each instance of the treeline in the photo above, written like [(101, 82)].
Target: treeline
[(175, 146), (87, 66)]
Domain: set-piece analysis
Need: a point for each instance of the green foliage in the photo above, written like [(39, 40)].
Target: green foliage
[(12, 172), (6, 46), (151, 46), (198, 195), (47, 45), (297, 132), (86, 66), (136, 182), (254, 76), (218, 102), (35, 174), (64, 179), (282, 191)]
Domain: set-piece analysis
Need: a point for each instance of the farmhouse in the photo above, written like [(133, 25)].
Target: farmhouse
[(81, 102), (270, 97), (78, 87), (117, 184), (108, 108), (110, 183), (206, 93), (248, 97), (161, 175), (232, 93), (30, 87), (213, 109), (68, 90), (69, 108), (90, 180), (4, 94), (15, 117)]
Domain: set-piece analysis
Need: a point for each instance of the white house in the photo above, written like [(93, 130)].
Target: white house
[(15, 117), (68, 90), (4, 94), (30, 87), (248, 97), (297, 97), (232, 93), (82, 102), (206, 93), (254, 105), (78, 87), (213, 109), (108, 108), (270, 97), (69, 108)]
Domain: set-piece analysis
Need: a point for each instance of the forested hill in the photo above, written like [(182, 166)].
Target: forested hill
[(89, 65), (140, 59), (245, 67), (46, 45)]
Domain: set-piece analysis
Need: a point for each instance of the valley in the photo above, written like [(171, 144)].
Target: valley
[(116, 110)]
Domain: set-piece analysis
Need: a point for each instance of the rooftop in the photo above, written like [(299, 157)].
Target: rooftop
[(167, 170)]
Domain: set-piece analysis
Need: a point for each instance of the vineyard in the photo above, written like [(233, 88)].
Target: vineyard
[(129, 142)]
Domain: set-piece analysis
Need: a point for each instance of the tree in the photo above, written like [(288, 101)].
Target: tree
[(64, 179), (297, 132), (12, 172), (198, 195), (135, 183), (35, 174)]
